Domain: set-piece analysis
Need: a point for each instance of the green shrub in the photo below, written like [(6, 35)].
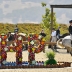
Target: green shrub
[(50, 61), (50, 55)]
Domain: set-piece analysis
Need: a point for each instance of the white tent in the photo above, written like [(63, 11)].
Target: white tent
[(12, 33), (23, 34)]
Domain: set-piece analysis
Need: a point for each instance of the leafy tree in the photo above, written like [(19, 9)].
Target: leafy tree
[(46, 18), (43, 4)]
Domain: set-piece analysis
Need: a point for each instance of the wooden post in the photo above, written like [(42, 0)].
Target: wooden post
[(51, 18)]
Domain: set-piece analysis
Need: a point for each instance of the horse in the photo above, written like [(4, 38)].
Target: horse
[(61, 36), (64, 35), (65, 42), (60, 40)]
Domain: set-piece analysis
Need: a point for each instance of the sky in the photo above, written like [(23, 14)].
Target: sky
[(31, 11)]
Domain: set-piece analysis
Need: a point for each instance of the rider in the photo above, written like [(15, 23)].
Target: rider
[(70, 30)]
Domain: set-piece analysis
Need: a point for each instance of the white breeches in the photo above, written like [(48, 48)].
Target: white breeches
[(54, 39), (71, 36)]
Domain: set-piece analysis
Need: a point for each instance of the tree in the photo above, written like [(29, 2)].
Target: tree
[(46, 18), (43, 4)]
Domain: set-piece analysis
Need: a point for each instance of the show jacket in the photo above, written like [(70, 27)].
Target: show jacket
[(70, 29), (58, 32)]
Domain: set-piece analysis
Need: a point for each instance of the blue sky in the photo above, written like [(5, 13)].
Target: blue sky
[(20, 11)]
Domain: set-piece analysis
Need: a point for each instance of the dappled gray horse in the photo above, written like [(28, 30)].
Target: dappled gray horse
[(60, 37), (65, 42)]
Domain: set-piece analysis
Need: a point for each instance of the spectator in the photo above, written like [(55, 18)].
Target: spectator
[(53, 38), (53, 35), (43, 34), (16, 32), (16, 29), (58, 33), (9, 36)]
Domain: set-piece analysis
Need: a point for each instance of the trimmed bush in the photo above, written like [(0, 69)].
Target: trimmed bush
[(51, 59), (50, 55)]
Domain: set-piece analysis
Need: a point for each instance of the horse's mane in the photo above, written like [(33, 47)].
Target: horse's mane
[(64, 35)]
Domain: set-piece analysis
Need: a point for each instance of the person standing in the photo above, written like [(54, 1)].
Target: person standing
[(16, 29), (53, 38), (53, 35), (16, 32), (42, 31), (10, 36), (43, 34), (58, 33), (70, 30)]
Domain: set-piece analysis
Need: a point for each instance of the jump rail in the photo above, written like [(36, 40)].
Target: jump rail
[(26, 42)]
